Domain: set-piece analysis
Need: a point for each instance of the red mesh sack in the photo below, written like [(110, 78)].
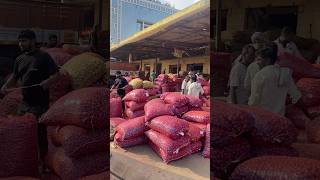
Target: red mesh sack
[(77, 141), (101, 176), (206, 109), (168, 145), (60, 88), (10, 103), (71, 168), (61, 134), (166, 88), (163, 78), (114, 122), (229, 121), (271, 128), (207, 146), (273, 150), (131, 128), (168, 157), (313, 131), (307, 150), (197, 116), (114, 94), (131, 141), (84, 108), (169, 126), (138, 95), (179, 111), (297, 116), (134, 114), (157, 107), (313, 112), (225, 159), (128, 88), (195, 147), (310, 90), (195, 133), (115, 107), (176, 99), (194, 101), (202, 127), (153, 91), (19, 146), (195, 109), (206, 90), (59, 56), (277, 167), (202, 81), (134, 106), (300, 67)]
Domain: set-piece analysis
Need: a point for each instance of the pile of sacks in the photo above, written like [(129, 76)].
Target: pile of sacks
[(135, 102), (173, 137), (77, 131), (166, 83), (243, 132)]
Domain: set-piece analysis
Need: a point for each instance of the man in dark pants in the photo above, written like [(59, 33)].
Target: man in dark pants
[(119, 84), (33, 67)]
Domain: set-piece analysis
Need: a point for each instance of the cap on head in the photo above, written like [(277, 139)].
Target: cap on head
[(27, 34)]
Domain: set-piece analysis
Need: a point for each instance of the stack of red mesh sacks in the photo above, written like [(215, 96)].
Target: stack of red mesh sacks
[(130, 132), (135, 102), (310, 122), (243, 132), (165, 83), (77, 131), (177, 83), (228, 146), (168, 135)]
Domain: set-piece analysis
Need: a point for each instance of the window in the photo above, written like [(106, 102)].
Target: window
[(195, 67), (173, 69)]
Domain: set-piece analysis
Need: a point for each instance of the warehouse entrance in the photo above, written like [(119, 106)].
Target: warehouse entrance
[(269, 18)]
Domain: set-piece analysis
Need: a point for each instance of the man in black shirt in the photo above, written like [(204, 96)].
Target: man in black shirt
[(36, 69), (119, 84)]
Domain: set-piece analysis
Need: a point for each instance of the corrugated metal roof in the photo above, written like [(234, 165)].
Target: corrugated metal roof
[(188, 30)]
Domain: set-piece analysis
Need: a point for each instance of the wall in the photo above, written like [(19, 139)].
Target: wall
[(184, 61), (308, 13)]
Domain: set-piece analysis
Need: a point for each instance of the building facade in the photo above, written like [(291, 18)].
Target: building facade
[(131, 16)]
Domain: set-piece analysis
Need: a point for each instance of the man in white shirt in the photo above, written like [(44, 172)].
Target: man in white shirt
[(272, 83), (285, 43), (238, 93), (195, 88), (184, 89), (252, 70)]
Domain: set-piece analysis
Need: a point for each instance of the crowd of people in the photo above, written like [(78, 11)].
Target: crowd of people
[(256, 79), (191, 86)]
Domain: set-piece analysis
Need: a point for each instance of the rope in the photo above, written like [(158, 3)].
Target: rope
[(23, 87)]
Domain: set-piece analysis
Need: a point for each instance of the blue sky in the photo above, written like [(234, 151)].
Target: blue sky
[(181, 4)]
